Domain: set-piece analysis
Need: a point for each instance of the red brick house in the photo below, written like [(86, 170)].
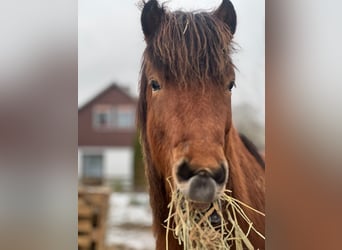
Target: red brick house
[(106, 131)]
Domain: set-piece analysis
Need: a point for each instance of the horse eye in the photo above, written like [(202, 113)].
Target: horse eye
[(155, 85), (231, 85)]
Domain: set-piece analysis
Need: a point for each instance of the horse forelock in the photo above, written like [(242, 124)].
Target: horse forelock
[(191, 47)]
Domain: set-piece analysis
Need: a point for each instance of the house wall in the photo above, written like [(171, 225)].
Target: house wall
[(117, 161)]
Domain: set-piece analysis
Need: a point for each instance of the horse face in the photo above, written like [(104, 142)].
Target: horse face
[(186, 131), (185, 108)]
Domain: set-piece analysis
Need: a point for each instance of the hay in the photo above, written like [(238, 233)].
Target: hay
[(193, 228)]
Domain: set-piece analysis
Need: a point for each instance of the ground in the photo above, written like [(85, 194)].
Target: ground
[(129, 222)]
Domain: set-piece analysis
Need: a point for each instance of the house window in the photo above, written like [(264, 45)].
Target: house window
[(102, 116), (125, 117), (113, 117), (93, 166)]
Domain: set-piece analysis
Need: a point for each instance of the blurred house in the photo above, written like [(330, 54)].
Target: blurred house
[(106, 132)]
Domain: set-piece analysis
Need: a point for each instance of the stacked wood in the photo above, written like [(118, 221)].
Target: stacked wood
[(92, 216)]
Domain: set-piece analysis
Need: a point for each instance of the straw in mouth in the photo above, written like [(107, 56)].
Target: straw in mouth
[(214, 218), (207, 228)]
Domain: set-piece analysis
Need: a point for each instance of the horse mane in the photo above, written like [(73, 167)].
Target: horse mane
[(191, 47), (252, 149)]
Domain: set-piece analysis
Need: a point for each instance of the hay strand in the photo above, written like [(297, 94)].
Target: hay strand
[(193, 228)]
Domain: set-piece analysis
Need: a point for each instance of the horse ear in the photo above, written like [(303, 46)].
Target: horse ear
[(227, 14), (151, 17)]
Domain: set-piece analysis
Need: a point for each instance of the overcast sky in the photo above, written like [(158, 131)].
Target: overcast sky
[(110, 45)]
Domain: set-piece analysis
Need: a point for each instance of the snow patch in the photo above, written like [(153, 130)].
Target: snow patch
[(129, 221)]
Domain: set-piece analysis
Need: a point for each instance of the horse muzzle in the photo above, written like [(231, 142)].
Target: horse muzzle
[(201, 186)]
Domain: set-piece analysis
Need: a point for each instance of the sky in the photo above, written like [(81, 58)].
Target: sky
[(111, 43)]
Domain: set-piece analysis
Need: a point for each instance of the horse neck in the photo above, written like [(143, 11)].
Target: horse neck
[(246, 175), (247, 183)]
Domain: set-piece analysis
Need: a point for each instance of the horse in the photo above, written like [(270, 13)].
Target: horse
[(185, 119)]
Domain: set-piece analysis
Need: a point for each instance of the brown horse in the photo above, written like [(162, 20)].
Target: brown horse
[(185, 118)]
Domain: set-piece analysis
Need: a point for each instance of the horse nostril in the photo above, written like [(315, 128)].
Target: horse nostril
[(220, 175), (184, 172)]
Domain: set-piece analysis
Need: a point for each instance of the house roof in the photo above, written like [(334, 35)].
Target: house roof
[(112, 86)]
